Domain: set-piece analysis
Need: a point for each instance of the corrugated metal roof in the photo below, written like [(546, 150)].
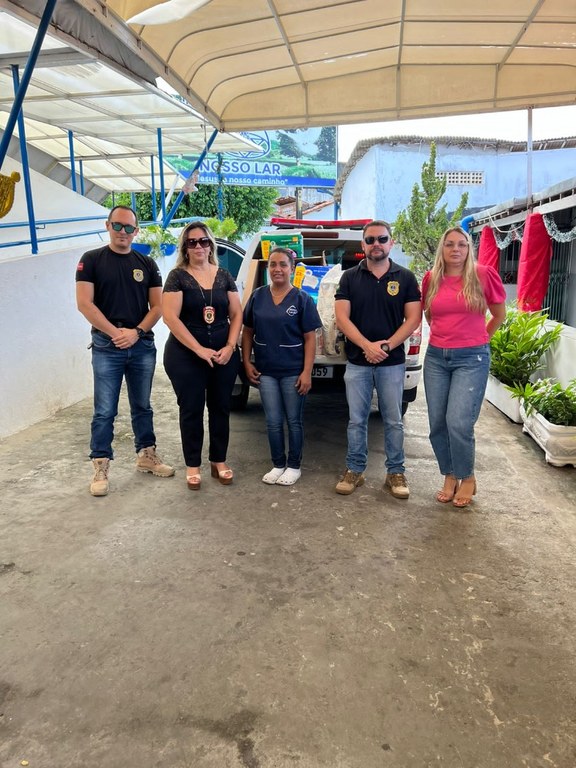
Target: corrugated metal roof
[(114, 120)]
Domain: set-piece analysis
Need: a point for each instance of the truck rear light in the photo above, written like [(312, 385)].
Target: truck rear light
[(414, 349)]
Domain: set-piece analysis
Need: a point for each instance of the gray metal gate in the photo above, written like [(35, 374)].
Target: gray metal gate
[(557, 295)]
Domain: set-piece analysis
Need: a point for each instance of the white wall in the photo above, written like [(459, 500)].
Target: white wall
[(44, 361), (44, 364), (561, 361), (50, 201), (380, 184)]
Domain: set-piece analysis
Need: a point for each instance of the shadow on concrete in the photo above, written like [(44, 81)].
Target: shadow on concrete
[(259, 626)]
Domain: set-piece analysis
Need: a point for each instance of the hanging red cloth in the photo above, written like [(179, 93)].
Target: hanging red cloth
[(488, 251), (534, 265)]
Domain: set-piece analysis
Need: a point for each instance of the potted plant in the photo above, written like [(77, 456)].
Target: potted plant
[(548, 411), (155, 241), (517, 348), (223, 228)]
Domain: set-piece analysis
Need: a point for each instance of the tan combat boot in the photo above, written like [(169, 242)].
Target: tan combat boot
[(149, 461), (397, 484), (99, 484)]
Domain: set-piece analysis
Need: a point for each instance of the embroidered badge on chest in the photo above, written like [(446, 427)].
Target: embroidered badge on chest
[(291, 310), (138, 275), (393, 287)]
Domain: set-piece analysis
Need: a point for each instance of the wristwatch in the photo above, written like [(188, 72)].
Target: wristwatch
[(385, 347), (140, 331)]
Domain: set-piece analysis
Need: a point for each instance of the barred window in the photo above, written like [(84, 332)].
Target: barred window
[(468, 178)]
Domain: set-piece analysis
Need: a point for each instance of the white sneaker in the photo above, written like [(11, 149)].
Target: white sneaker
[(289, 476), (271, 477)]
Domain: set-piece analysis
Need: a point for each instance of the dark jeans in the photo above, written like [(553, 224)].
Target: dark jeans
[(110, 366), (196, 384)]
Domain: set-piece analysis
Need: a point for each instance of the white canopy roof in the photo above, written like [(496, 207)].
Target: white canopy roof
[(114, 119), (254, 64)]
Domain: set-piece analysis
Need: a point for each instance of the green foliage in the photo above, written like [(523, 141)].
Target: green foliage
[(250, 207), (156, 236), (224, 229), (419, 227), (550, 399), (518, 345)]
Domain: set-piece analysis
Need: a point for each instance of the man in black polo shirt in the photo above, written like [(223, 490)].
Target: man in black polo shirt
[(119, 292), (377, 308)]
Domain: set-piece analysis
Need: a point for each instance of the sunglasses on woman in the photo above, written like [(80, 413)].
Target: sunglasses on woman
[(192, 242), (128, 228)]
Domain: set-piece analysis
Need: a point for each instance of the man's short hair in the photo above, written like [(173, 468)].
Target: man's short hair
[(377, 223), (123, 208)]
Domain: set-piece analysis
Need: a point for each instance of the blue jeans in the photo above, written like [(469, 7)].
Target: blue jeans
[(360, 382), (282, 402), (110, 365), (455, 382)]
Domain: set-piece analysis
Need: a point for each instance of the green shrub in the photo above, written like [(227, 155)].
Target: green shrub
[(519, 344), (553, 401)]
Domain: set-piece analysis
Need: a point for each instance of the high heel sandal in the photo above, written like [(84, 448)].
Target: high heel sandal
[(224, 476), (445, 496), (464, 501), (193, 481)]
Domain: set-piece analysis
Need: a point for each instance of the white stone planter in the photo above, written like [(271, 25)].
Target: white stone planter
[(498, 395), (558, 443)]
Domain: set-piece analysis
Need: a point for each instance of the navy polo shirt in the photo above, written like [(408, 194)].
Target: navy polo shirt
[(377, 306)]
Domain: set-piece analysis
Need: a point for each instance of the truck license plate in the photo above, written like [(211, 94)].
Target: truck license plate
[(322, 372)]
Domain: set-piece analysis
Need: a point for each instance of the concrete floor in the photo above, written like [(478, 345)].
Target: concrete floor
[(259, 627)]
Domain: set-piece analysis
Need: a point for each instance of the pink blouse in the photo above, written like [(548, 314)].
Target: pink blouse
[(452, 324)]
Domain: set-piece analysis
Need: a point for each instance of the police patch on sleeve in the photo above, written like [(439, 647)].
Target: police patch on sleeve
[(393, 287), (138, 275)]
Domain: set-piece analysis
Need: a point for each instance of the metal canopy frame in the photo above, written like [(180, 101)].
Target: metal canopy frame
[(113, 120)]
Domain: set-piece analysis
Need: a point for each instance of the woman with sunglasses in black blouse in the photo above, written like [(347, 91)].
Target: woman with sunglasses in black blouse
[(201, 307)]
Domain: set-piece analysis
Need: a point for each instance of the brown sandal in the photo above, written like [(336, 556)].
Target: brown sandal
[(224, 476)]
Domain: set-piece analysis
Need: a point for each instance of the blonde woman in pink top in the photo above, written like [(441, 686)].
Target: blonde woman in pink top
[(464, 303)]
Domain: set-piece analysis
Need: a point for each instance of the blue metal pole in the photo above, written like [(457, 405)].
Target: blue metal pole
[(81, 166), (25, 167), (72, 162), (161, 160), (153, 187), (220, 188), (28, 69), (133, 200), (167, 219)]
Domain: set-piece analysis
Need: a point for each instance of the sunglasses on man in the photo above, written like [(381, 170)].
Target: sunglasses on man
[(370, 240), (192, 242), (128, 228)]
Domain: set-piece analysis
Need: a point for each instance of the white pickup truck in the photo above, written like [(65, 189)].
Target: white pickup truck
[(324, 243)]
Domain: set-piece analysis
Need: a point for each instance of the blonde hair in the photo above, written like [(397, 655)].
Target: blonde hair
[(472, 290), (183, 259)]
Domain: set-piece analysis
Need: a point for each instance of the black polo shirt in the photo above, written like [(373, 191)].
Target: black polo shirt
[(377, 306), (121, 283)]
